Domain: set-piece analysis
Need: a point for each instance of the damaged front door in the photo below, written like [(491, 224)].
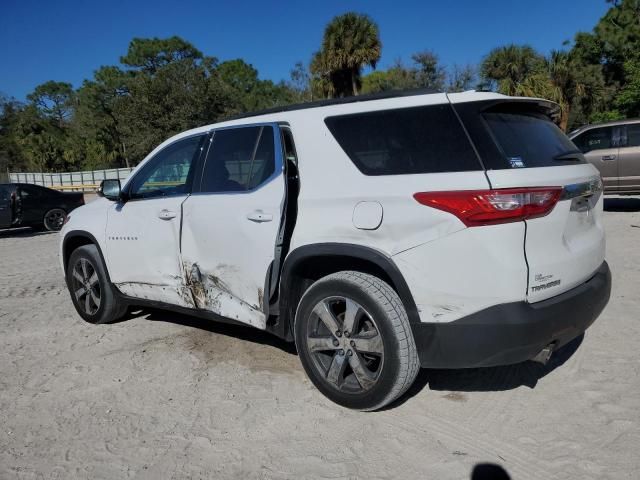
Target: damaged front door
[(143, 233), (230, 225)]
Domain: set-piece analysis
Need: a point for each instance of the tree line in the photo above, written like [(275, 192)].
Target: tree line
[(164, 86)]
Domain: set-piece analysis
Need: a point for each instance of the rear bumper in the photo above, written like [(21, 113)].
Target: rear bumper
[(513, 332)]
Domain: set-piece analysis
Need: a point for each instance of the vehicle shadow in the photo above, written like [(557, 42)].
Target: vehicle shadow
[(489, 471), (490, 379), (622, 204), (23, 232), (220, 327)]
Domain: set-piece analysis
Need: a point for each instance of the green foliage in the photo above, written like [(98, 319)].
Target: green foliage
[(508, 67), (150, 54), (628, 98), (165, 86), (350, 42)]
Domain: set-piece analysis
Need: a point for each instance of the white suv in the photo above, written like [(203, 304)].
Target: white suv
[(380, 234)]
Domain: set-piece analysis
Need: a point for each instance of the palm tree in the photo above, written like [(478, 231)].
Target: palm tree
[(509, 66), (521, 71), (350, 42)]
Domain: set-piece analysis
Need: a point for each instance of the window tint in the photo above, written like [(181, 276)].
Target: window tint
[(239, 159), (529, 139), (403, 141), (5, 194), (168, 172), (263, 164), (633, 135), (594, 139), (31, 191)]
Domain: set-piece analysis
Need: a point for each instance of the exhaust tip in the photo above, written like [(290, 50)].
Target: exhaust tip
[(544, 355)]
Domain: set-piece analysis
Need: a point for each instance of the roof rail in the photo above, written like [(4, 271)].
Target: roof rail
[(338, 101)]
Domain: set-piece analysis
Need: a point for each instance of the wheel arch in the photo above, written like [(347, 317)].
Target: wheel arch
[(76, 239), (308, 263)]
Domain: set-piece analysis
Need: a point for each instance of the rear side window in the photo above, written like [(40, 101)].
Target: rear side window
[(239, 159), (31, 192), (405, 141), (530, 139), (633, 135)]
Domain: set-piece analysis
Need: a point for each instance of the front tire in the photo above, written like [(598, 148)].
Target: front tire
[(92, 294), (354, 340)]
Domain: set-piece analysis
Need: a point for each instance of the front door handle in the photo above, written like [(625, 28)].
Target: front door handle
[(165, 214), (259, 216), (608, 157)]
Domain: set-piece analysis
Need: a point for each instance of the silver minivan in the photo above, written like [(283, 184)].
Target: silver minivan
[(614, 149)]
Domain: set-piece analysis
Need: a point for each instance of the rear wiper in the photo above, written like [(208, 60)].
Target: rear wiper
[(571, 155)]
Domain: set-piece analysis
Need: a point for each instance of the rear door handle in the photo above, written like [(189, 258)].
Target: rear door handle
[(259, 216), (608, 157), (165, 214)]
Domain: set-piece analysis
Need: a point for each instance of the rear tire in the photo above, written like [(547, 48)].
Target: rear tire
[(54, 219), (92, 294), (354, 340)]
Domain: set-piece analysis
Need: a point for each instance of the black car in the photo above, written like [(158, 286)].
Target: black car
[(26, 205)]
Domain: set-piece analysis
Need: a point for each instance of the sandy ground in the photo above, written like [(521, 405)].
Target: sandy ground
[(167, 396)]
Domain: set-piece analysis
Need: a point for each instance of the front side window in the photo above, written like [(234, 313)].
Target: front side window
[(404, 141), (5, 194), (595, 139), (239, 159), (169, 171)]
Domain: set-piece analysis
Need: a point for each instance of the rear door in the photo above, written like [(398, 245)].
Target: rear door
[(629, 159), (230, 226), (564, 248), (600, 148)]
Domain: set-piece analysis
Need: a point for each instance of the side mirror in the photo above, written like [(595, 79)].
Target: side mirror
[(110, 189)]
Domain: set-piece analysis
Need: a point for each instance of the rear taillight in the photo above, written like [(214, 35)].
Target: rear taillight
[(490, 207)]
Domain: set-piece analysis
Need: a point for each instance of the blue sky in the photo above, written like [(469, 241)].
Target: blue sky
[(68, 40)]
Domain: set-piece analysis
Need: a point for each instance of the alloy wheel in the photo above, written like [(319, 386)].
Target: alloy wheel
[(54, 220), (86, 286), (345, 344)]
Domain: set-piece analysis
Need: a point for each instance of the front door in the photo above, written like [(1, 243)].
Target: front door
[(629, 160), (5, 206), (231, 224), (143, 233)]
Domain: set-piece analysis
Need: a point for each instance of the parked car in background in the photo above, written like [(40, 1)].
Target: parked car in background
[(380, 233), (614, 149), (26, 205)]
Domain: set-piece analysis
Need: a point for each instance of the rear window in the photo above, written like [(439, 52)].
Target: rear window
[(405, 141), (530, 139)]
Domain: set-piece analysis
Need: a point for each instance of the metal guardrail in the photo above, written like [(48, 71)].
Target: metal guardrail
[(86, 181)]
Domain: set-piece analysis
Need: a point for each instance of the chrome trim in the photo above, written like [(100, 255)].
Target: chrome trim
[(584, 189)]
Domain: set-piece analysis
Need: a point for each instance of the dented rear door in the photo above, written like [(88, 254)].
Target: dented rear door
[(231, 224)]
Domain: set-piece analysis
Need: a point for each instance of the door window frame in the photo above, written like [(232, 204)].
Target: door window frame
[(278, 160), (152, 162)]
